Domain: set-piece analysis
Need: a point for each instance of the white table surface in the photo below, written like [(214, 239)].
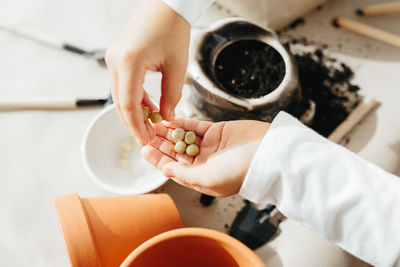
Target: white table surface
[(40, 151)]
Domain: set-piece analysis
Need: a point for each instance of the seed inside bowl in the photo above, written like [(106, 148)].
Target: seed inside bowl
[(135, 170), (127, 148), (123, 163)]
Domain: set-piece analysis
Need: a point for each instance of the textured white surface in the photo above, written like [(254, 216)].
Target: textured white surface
[(40, 151)]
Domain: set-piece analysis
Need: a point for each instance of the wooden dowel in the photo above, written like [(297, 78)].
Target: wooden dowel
[(379, 9), (367, 30), (49, 103), (37, 103), (362, 109)]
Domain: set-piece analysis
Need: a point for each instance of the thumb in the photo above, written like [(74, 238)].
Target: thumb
[(171, 89)]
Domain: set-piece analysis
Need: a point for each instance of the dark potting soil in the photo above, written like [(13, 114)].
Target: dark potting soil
[(252, 69), (249, 69), (296, 23), (293, 25), (327, 82)]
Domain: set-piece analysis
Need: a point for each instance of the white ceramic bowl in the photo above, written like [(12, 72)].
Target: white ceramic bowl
[(101, 151)]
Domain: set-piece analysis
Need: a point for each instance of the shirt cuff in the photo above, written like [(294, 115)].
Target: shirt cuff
[(263, 172), (190, 10)]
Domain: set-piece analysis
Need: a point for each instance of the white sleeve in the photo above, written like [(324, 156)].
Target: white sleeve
[(329, 189), (189, 9)]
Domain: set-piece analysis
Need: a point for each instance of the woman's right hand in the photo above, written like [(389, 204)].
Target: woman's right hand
[(156, 38)]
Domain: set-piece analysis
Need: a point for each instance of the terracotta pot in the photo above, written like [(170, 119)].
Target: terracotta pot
[(103, 231), (192, 247)]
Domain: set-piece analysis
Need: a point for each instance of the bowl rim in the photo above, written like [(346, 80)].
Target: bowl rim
[(99, 182)]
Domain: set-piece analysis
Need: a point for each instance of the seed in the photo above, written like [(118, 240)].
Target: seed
[(146, 113), (190, 138), (155, 117), (126, 154), (180, 147), (178, 134), (192, 150), (135, 169), (127, 146), (123, 163)]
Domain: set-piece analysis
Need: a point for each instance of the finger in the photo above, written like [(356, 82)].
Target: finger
[(155, 157), (171, 170), (173, 76), (150, 130), (198, 127), (167, 148), (147, 101), (166, 133), (130, 98), (114, 85), (114, 94)]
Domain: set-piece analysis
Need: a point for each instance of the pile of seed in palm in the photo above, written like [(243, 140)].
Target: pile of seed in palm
[(327, 82)]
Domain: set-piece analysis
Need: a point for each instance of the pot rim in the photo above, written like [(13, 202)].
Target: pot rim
[(233, 245), (270, 38)]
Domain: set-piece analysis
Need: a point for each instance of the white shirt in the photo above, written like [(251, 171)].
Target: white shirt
[(189, 9), (327, 188)]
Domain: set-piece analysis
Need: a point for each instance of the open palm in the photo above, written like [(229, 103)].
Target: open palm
[(226, 151)]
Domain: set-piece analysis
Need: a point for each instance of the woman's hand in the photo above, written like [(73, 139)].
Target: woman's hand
[(226, 151), (156, 38)]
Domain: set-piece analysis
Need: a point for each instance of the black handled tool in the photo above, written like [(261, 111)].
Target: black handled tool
[(256, 227), (97, 55)]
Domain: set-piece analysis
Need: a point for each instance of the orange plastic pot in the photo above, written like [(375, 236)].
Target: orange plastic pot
[(104, 231), (192, 247)]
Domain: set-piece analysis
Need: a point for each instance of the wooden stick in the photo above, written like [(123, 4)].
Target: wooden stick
[(47, 103), (379, 9), (367, 30), (363, 108)]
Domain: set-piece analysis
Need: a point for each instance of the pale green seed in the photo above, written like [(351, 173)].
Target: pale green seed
[(190, 138), (146, 113), (180, 147), (178, 134), (192, 150), (155, 117)]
